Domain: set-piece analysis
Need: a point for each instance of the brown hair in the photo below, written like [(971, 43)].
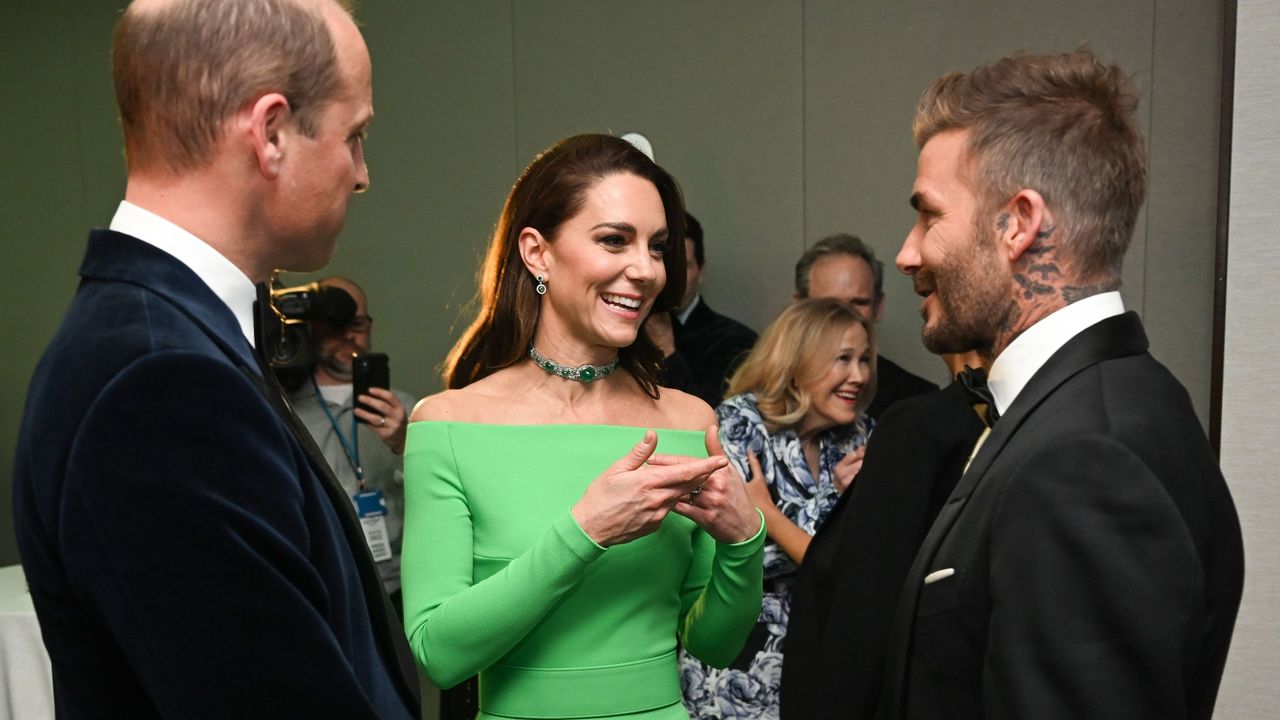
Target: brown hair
[(1059, 124), (182, 69), (792, 352), (839, 244), (549, 192)]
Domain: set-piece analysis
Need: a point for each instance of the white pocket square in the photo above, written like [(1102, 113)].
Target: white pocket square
[(937, 575)]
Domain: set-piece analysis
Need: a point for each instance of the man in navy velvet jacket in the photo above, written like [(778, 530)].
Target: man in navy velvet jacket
[(186, 554)]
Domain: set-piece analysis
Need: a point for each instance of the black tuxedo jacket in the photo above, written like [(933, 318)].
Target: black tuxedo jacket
[(1089, 563), (712, 346), (845, 593), (893, 384), (185, 556)]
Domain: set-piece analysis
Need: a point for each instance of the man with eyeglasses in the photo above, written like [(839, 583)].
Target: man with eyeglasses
[(366, 455)]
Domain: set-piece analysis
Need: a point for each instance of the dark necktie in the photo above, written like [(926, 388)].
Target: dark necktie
[(974, 381)]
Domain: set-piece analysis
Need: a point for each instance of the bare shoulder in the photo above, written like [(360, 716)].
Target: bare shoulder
[(483, 401), (682, 411), (444, 406)]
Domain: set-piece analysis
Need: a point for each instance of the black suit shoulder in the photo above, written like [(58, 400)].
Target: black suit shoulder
[(846, 591), (705, 326), (712, 346), (1094, 538), (893, 384)]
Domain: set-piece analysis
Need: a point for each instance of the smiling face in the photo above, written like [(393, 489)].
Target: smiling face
[(835, 393), (604, 269), (952, 253)]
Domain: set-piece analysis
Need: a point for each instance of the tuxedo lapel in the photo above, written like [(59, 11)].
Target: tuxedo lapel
[(1114, 337)]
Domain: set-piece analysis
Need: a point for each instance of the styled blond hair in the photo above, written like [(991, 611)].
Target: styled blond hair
[(795, 350)]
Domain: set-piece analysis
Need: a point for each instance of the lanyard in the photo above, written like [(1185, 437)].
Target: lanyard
[(352, 449)]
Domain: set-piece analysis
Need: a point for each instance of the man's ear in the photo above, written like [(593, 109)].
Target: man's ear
[(535, 252), (1023, 222), (879, 311), (269, 119)]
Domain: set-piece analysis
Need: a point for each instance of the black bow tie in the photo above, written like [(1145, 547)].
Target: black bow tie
[(974, 381)]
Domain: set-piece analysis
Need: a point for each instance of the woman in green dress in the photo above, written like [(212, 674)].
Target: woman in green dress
[(549, 546)]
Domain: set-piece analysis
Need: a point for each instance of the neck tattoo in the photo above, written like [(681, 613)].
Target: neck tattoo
[(581, 373)]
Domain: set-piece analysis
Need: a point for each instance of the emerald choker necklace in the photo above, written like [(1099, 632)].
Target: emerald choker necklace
[(581, 373)]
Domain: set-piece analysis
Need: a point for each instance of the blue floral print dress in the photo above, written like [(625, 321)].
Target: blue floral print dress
[(749, 687)]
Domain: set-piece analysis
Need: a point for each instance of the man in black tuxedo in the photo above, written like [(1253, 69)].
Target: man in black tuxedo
[(1089, 562), (843, 267), (188, 552), (708, 343)]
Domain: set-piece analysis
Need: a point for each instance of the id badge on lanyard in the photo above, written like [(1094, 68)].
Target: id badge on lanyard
[(371, 506)]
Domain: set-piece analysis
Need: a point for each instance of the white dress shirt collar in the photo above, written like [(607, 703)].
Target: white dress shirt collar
[(1028, 352), (683, 314), (226, 280)]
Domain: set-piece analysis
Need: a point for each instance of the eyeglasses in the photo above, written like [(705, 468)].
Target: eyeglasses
[(361, 323)]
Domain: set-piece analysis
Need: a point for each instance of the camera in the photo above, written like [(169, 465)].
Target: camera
[(287, 341)]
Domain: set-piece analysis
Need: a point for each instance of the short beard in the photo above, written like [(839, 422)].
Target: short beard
[(333, 369), (971, 310), (974, 327)]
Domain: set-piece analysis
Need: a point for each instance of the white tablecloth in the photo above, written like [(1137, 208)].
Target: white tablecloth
[(26, 681)]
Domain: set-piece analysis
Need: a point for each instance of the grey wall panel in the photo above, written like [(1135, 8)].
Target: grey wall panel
[(865, 67), (63, 167), (440, 156), (1251, 373), (1182, 203), (716, 87)]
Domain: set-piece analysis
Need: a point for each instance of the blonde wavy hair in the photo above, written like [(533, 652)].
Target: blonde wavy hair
[(795, 350)]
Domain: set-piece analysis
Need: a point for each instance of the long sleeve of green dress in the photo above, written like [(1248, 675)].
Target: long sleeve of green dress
[(499, 579)]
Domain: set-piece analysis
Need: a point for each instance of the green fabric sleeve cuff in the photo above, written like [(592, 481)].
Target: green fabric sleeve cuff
[(577, 539), (746, 547)]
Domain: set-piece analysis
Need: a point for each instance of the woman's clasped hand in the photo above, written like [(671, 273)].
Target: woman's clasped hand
[(634, 495)]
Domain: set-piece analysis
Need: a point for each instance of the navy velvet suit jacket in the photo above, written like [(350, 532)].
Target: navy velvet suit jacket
[(183, 554), (1094, 552)]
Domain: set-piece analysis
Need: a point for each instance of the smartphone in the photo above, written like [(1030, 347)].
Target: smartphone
[(369, 370)]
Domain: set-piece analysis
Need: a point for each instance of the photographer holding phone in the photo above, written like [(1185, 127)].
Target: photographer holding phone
[(363, 446)]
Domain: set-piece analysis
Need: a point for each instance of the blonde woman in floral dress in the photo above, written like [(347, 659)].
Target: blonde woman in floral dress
[(795, 426)]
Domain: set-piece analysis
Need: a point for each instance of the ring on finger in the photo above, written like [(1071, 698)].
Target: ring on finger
[(382, 420), (692, 497)]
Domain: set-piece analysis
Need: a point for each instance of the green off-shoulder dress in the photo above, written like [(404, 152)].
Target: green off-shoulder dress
[(500, 580)]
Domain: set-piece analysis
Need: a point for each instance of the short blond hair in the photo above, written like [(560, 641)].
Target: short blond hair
[(792, 352), (1061, 125), (183, 68)]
